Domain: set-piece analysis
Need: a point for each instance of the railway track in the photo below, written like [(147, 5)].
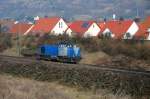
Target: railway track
[(82, 75), (28, 60), (16, 59)]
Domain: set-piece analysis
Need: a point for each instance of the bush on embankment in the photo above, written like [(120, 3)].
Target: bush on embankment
[(5, 41), (133, 49), (81, 76)]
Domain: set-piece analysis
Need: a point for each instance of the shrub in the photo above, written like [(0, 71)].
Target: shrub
[(133, 49), (52, 39), (29, 42), (5, 41), (90, 44)]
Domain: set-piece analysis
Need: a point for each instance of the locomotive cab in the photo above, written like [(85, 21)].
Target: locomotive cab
[(69, 52)]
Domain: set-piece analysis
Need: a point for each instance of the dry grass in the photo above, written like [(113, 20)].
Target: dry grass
[(93, 57), (20, 88), (11, 52)]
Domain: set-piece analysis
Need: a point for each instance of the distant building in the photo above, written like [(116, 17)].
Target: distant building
[(83, 29), (52, 26), (125, 29), (144, 30), (69, 31)]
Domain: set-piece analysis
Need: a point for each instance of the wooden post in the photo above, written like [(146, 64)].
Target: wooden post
[(18, 39), (0, 28)]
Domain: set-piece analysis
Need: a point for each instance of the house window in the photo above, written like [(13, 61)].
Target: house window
[(85, 25), (108, 34), (128, 35), (59, 24)]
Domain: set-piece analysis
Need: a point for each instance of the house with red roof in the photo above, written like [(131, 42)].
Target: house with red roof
[(69, 31), (119, 29), (102, 26), (105, 29), (20, 28), (144, 30), (83, 29), (132, 30), (53, 26)]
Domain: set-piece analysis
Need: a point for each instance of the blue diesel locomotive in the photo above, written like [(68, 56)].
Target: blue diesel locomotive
[(62, 52)]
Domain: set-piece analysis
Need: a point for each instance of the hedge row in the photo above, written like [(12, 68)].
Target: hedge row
[(80, 76)]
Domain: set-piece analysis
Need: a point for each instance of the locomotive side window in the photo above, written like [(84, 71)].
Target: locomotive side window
[(43, 50)]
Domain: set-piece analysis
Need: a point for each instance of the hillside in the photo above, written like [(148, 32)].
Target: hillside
[(73, 9)]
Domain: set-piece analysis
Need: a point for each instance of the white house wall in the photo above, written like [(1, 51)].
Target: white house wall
[(132, 30), (92, 31), (148, 30), (69, 32), (107, 30), (148, 38), (59, 30)]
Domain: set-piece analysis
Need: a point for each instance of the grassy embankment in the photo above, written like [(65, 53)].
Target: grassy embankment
[(21, 88)]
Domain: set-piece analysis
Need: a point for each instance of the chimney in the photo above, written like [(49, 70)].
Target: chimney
[(137, 19), (114, 16), (30, 23), (121, 18), (36, 18), (45, 16), (105, 19), (16, 22)]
